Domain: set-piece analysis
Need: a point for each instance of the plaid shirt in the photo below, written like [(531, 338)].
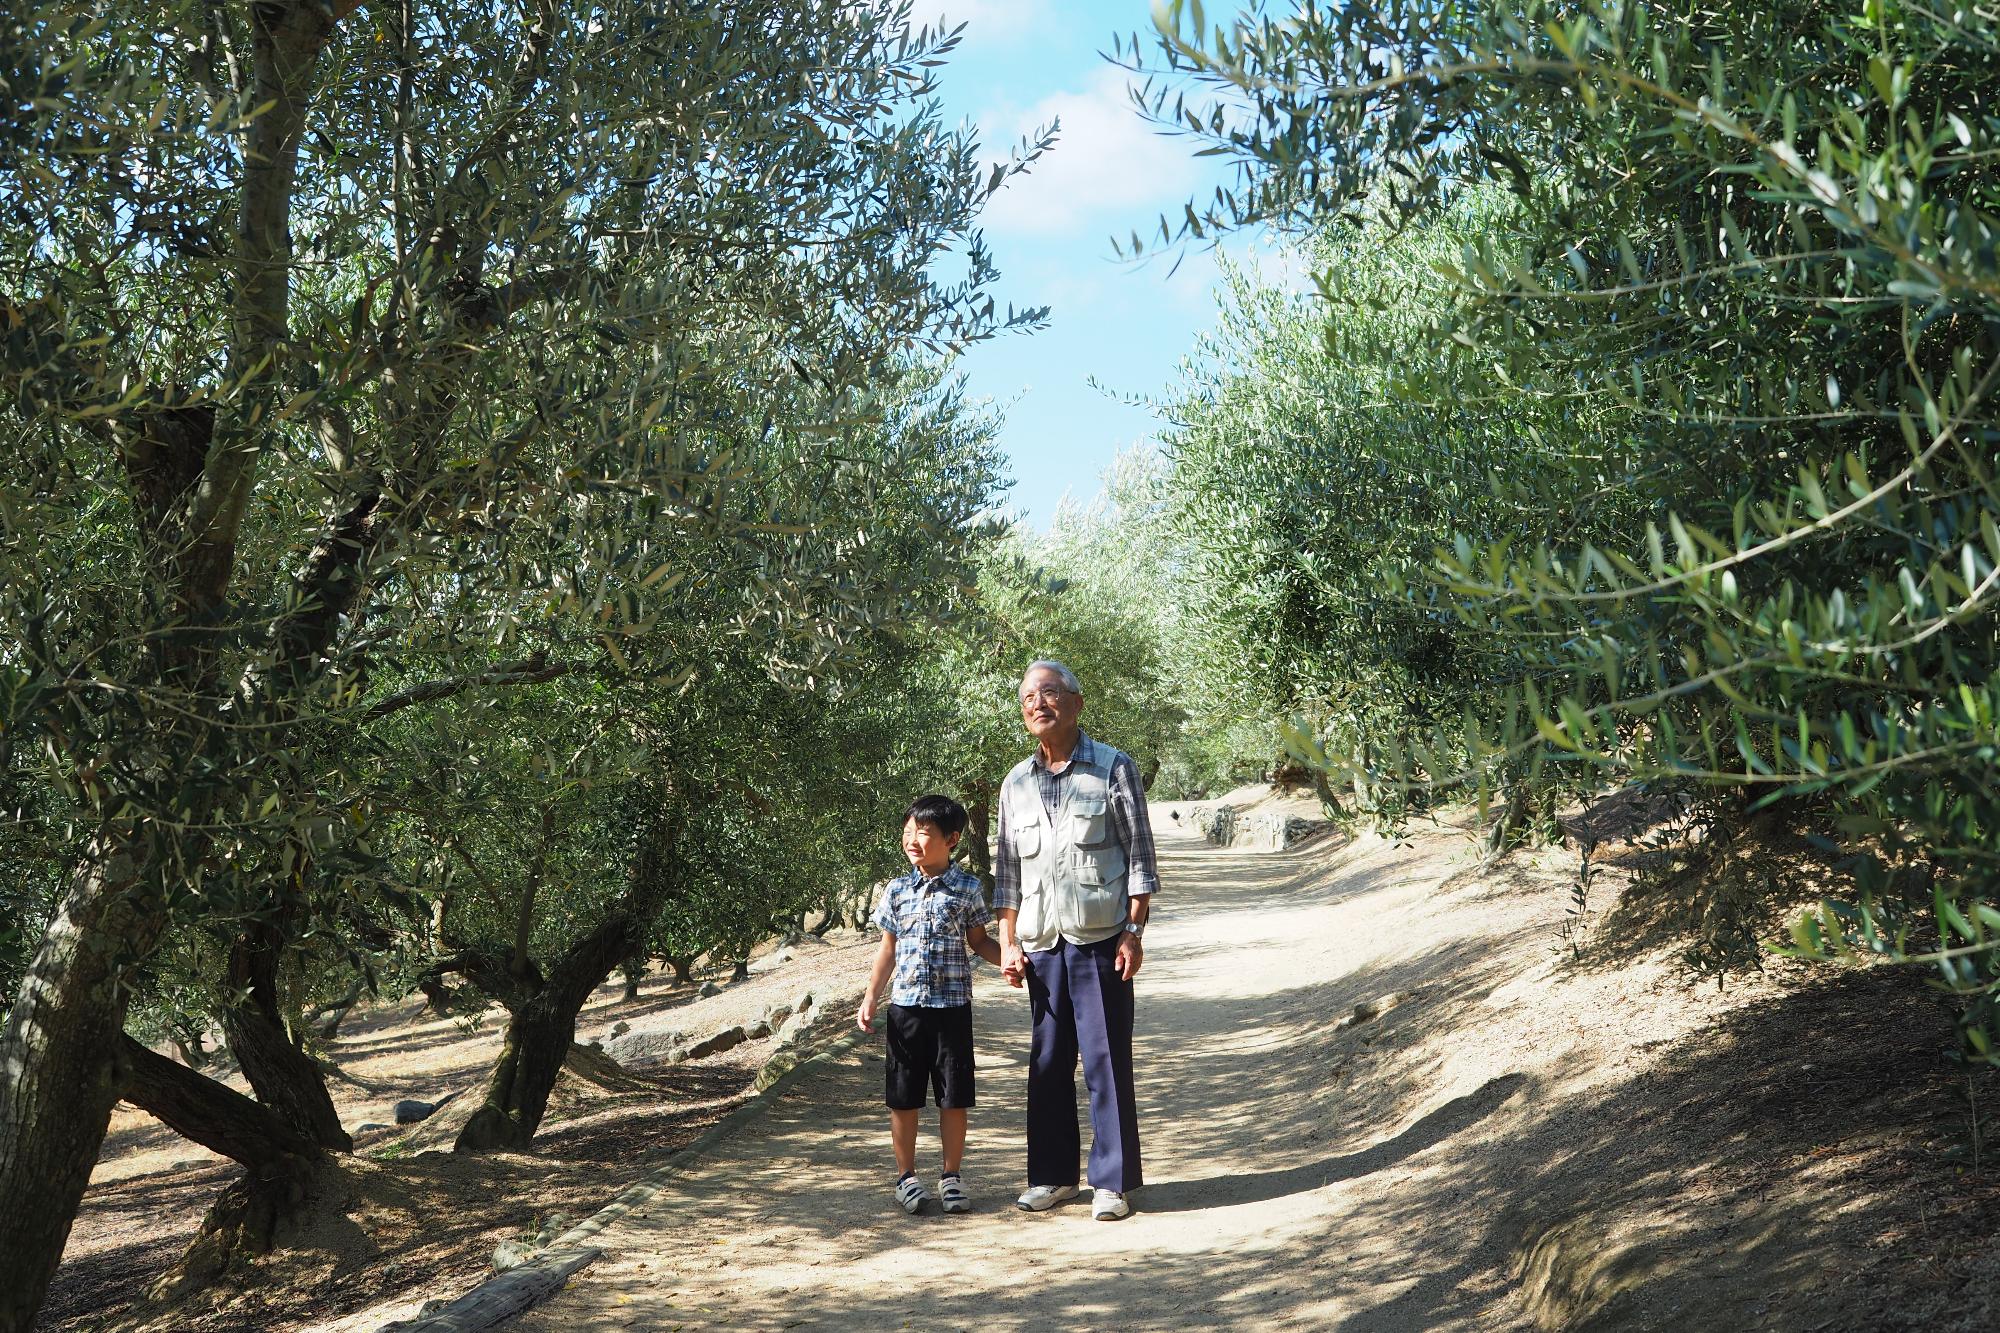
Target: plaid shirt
[(929, 918), (1128, 817)]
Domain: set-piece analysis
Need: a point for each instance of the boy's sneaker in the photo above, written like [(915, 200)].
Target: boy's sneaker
[(1041, 1197), (1108, 1205), (952, 1195), (910, 1193)]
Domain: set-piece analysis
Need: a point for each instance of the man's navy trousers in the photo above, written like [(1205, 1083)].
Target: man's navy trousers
[(1081, 1006)]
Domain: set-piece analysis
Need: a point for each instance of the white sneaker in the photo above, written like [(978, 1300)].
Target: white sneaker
[(1041, 1197), (952, 1194), (910, 1193), (1108, 1205)]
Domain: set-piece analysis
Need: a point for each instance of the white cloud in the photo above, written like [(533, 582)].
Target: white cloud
[(1109, 170), (986, 20)]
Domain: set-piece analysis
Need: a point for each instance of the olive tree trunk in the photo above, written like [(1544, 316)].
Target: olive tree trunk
[(280, 1162), (542, 1026), (61, 1071), (285, 1078)]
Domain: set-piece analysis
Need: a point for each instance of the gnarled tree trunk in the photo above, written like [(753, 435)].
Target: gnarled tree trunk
[(280, 1162), (61, 1071), (977, 843), (543, 1025), (285, 1078)]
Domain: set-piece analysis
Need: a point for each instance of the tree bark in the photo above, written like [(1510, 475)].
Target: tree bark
[(61, 1071), (280, 1162), (327, 1019), (542, 1026), (978, 841), (213, 1114), (683, 966), (285, 1078)]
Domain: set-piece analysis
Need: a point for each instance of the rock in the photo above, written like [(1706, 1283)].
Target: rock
[(783, 956), (411, 1111), (726, 1040), (371, 1127), (512, 1254), (758, 1030), (794, 1027), (620, 1028), (803, 1003), (776, 1068), (777, 1014), (645, 1048), (1370, 1010), (708, 988)]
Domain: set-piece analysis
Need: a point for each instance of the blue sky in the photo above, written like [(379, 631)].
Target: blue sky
[(1023, 63)]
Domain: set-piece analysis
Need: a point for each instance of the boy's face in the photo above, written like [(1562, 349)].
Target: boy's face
[(928, 848)]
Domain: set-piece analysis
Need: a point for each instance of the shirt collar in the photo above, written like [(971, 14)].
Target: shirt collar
[(1085, 752)]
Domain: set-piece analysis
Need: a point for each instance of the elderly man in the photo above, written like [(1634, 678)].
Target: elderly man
[(1074, 873)]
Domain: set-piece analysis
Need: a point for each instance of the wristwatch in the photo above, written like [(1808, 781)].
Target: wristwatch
[(1135, 928)]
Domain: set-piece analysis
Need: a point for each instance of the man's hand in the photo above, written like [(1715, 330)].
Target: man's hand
[(1130, 955), (864, 1017), (1014, 965)]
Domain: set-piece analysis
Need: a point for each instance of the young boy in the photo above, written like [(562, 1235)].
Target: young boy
[(929, 919)]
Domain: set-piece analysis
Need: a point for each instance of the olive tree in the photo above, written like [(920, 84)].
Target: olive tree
[(314, 319), (1756, 249)]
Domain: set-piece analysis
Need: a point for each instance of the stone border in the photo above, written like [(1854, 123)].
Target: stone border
[(497, 1298)]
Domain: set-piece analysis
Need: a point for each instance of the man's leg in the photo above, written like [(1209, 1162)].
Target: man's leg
[(1102, 1002), (1052, 1134)]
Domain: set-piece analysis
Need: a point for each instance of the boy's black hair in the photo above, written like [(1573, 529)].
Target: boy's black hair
[(947, 815)]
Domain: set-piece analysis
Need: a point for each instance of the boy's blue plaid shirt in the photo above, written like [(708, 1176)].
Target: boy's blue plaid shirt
[(929, 918)]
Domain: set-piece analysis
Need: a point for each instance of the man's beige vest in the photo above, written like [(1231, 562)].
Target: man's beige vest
[(1072, 864)]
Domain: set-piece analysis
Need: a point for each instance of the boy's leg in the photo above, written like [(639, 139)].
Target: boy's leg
[(953, 1079), (906, 1072), (1052, 1135), (903, 1138), (1102, 1003), (951, 1129)]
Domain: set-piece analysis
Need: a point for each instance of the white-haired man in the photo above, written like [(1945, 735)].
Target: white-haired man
[(1074, 874)]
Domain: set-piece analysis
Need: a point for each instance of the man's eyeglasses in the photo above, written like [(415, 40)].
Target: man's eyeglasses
[(1048, 694)]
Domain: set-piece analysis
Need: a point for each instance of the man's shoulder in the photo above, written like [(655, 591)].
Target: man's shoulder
[(1022, 769)]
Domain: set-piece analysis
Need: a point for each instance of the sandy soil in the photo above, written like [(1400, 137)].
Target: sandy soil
[(1527, 1139), (408, 1223)]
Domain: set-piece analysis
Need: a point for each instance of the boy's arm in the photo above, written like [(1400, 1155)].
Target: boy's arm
[(977, 940), (878, 976)]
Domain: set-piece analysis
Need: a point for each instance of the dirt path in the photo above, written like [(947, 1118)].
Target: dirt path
[(1519, 1142)]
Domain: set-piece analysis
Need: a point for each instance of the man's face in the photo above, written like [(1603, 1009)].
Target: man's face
[(1048, 708), (928, 848)]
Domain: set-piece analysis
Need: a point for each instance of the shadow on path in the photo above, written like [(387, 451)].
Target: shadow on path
[(1456, 1115)]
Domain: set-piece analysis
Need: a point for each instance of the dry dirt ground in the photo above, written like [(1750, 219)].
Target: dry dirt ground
[(1528, 1139), (404, 1222)]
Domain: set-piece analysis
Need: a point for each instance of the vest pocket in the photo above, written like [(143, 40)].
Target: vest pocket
[(1089, 823), (1099, 905)]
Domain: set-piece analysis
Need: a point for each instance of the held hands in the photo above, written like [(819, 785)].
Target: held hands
[(1130, 955), (1014, 965)]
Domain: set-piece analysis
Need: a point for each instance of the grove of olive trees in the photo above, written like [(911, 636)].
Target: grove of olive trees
[(1640, 427), (366, 365)]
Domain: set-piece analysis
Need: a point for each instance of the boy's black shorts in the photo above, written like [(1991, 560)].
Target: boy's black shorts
[(929, 1046)]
